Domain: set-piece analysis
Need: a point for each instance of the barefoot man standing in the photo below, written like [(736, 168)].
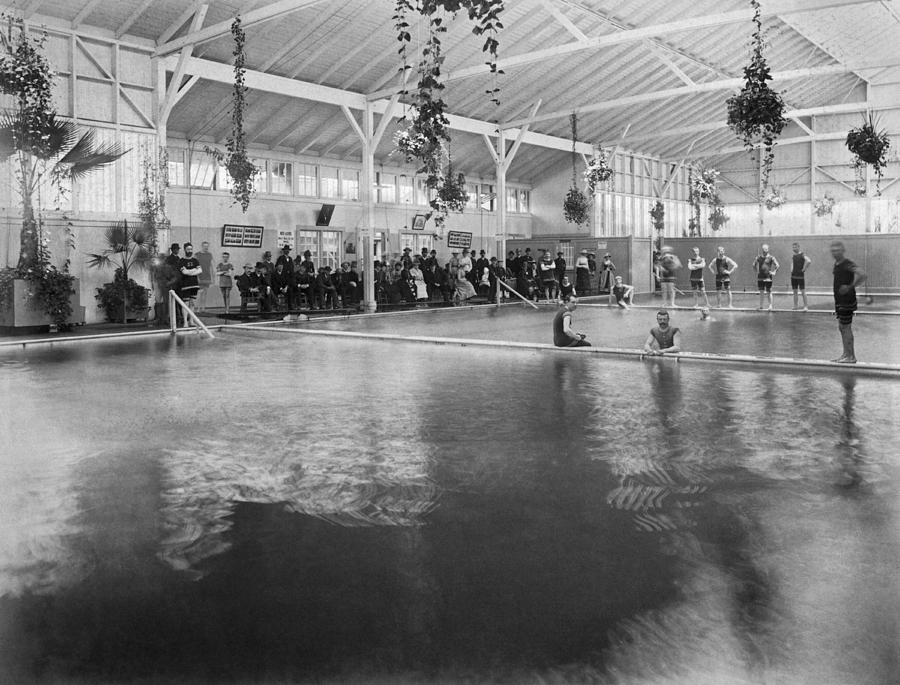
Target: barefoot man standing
[(847, 276)]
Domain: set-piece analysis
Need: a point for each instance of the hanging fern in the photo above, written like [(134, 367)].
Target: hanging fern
[(756, 113), (869, 146)]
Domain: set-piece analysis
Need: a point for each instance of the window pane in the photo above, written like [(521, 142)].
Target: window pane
[(387, 187), (488, 199), (203, 171), (176, 168), (328, 183), (280, 178), (406, 189), (306, 180), (308, 240), (472, 192), (331, 246), (511, 194), (421, 193), (524, 204), (350, 184)]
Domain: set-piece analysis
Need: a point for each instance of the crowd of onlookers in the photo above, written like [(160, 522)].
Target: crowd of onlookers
[(288, 283)]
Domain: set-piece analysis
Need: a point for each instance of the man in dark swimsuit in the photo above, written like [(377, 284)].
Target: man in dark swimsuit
[(847, 276), (563, 335), (190, 269), (621, 294), (799, 264), (723, 266), (664, 339), (766, 266)]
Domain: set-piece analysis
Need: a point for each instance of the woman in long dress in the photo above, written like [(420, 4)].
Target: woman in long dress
[(582, 274), (418, 278), (464, 288)]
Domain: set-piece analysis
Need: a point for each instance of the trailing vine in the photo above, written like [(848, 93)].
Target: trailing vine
[(869, 145), (576, 206), (756, 113), (239, 166), (427, 133)]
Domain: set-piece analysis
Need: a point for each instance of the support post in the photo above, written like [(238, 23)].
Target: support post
[(367, 232), (501, 199), (813, 163)]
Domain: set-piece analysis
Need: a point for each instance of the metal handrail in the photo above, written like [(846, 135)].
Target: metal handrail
[(517, 294), (188, 312)]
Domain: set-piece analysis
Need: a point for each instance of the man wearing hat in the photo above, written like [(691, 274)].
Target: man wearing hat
[(560, 264), (326, 292), (248, 286), (288, 273), (169, 279), (307, 263), (264, 283), (582, 274)]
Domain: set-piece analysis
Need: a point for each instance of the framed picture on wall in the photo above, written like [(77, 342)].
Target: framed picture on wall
[(236, 235), (418, 222), (349, 246)]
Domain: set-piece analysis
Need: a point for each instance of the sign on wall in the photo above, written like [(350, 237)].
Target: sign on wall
[(459, 239), (286, 237), (235, 235)]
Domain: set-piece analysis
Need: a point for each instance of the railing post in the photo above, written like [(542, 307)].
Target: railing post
[(173, 312)]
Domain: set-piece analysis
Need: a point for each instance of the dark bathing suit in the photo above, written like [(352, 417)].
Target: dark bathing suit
[(798, 278), (664, 338), (844, 305), (723, 279)]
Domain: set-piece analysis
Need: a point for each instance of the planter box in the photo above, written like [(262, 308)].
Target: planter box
[(19, 312)]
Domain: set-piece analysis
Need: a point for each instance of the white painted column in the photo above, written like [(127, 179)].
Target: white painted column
[(501, 199), (813, 163), (367, 197)]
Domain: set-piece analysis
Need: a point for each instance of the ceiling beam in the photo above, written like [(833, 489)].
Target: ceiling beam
[(84, 13), (270, 83), (267, 13), (172, 28), (653, 31), (564, 21), (31, 8), (133, 17), (705, 87)]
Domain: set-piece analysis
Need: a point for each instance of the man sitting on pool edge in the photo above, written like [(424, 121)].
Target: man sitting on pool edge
[(563, 335), (664, 339)]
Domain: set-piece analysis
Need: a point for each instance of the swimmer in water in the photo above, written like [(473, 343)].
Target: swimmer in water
[(664, 339), (704, 314)]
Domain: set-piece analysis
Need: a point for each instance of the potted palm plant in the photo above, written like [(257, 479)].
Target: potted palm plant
[(128, 248), (46, 149)]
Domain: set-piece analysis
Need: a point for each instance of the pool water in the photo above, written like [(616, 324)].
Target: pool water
[(269, 508), (802, 335)]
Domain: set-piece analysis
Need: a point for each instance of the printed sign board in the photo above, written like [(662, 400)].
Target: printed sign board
[(286, 237), (459, 239), (235, 235)]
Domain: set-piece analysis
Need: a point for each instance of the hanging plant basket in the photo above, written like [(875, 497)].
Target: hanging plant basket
[(427, 129), (658, 216), (717, 218), (451, 196), (239, 166), (598, 171), (756, 113), (825, 206), (576, 206), (869, 145), (774, 199), (705, 184)]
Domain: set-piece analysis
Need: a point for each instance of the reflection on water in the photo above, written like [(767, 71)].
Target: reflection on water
[(274, 511)]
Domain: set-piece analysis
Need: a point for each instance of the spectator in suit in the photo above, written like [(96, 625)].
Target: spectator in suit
[(305, 284), (307, 262), (248, 286), (283, 284), (326, 291), (268, 264), (348, 281), (264, 285)]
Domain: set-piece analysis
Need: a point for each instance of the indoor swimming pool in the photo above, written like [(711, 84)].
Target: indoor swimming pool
[(269, 508)]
